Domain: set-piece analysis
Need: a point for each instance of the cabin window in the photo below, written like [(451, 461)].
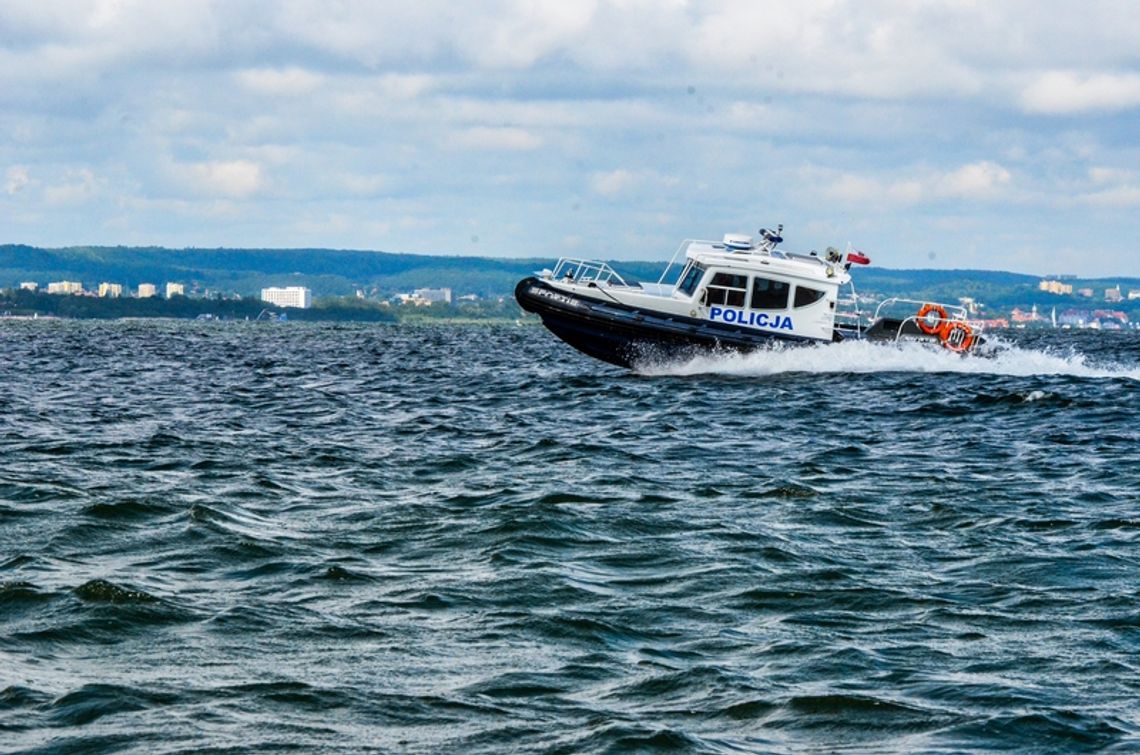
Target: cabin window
[(690, 279), (806, 296), (727, 289), (769, 294)]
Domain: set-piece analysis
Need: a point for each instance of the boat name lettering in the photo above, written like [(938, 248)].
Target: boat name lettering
[(751, 319), (547, 293)]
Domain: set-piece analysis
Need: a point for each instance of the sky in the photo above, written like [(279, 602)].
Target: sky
[(936, 134)]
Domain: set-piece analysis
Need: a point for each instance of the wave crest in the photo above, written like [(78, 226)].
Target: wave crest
[(856, 357)]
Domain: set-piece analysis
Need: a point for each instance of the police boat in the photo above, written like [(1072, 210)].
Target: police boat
[(737, 294)]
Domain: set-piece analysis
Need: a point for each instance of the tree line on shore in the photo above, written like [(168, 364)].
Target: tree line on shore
[(22, 303)]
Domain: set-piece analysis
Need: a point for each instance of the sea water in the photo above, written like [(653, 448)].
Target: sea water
[(348, 538)]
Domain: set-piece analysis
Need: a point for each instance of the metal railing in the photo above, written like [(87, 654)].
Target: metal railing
[(853, 318), (954, 313), (583, 271)]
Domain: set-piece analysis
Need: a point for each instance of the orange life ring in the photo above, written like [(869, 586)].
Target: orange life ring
[(926, 324), (957, 336)]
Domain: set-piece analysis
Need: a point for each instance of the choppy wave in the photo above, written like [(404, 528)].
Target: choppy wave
[(472, 539), (1002, 358)]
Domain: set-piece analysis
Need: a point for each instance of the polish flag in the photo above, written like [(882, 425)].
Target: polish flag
[(858, 257)]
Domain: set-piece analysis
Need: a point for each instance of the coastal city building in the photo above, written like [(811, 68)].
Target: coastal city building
[(1095, 319), (1134, 294), (1113, 294), (65, 287), (1114, 319), (1020, 316), (175, 289), (1056, 287), (147, 290), (423, 297), (433, 295), (33, 286), (1074, 318), (290, 296), (1085, 292), (113, 290)]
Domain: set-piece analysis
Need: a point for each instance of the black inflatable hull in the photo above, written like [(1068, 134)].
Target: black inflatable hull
[(628, 336)]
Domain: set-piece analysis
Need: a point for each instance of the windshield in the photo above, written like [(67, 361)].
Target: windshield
[(690, 278)]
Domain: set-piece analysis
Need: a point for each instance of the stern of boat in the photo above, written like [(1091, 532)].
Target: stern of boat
[(946, 325)]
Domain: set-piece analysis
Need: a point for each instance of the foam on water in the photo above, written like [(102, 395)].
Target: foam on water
[(869, 357)]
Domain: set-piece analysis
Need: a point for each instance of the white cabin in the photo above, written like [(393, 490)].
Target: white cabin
[(735, 282)]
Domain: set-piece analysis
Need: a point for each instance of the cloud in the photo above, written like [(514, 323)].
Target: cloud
[(74, 37), (79, 187), (362, 185), (974, 181), (18, 178), (496, 138), (235, 179), (621, 180), (1111, 188), (1102, 175), (684, 116), (1068, 93), (979, 180), (906, 191), (1119, 196), (611, 183), (535, 28), (289, 82)]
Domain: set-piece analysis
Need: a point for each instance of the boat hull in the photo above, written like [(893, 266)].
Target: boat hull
[(629, 336)]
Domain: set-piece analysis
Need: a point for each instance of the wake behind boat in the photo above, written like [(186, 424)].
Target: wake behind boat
[(737, 294)]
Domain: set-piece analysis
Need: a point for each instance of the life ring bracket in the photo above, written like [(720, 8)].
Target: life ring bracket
[(957, 336)]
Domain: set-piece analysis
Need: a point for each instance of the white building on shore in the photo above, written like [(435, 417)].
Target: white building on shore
[(423, 297), (147, 290), (1056, 287), (290, 296), (65, 287), (433, 295), (175, 289)]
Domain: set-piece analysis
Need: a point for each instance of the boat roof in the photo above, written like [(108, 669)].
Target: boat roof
[(739, 251)]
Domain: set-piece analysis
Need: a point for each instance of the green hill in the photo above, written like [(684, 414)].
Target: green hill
[(338, 272), (327, 272)]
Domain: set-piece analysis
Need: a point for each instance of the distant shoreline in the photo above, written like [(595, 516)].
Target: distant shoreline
[(30, 305), (526, 321), (364, 286)]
